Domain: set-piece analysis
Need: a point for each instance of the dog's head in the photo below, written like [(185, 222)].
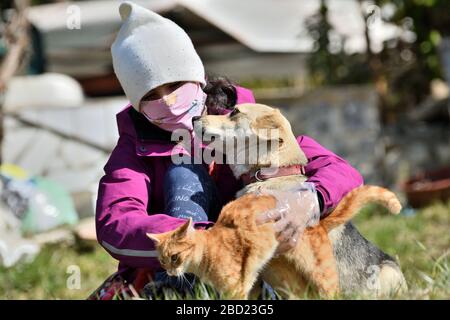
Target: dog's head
[(259, 131)]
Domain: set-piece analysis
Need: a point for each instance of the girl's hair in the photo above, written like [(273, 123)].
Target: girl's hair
[(221, 95)]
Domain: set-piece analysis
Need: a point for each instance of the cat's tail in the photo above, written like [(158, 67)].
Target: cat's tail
[(349, 206)]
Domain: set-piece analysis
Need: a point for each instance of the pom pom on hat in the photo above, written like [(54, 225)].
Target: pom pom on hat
[(150, 51)]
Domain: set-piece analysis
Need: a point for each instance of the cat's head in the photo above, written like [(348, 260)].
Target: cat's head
[(175, 248)]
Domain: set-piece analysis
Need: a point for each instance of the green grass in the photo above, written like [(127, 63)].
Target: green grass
[(46, 277), (421, 244)]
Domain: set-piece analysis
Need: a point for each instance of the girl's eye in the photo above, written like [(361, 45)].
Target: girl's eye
[(151, 97), (234, 112), (174, 258), (175, 85)]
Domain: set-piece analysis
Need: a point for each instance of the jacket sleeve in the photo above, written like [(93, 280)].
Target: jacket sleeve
[(332, 176), (122, 220)]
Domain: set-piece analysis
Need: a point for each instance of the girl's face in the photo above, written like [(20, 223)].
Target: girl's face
[(162, 91), (173, 105)]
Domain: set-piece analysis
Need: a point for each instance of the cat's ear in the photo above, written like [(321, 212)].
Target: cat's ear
[(185, 229), (156, 237)]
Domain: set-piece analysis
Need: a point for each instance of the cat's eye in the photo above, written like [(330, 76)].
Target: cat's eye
[(174, 258), (234, 112)]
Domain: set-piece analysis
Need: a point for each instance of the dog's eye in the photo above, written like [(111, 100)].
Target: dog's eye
[(234, 112)]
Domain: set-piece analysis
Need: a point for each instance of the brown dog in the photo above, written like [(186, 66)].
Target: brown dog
[(333, 256)]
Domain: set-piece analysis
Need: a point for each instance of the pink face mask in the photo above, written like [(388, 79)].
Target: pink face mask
[(176, 110)]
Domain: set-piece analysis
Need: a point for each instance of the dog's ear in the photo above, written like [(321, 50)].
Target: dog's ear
[(268, 127), (266, 122)]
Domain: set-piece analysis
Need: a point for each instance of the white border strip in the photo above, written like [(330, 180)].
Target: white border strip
[(130, 252)]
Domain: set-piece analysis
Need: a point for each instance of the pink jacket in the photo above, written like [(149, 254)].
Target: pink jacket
[(130, 199)]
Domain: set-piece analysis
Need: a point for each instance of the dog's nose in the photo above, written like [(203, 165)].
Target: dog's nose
[(195, 118)]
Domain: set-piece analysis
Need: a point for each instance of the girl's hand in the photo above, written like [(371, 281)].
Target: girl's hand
[(296, 209)]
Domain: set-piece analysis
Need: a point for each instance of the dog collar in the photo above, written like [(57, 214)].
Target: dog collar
[(263, 174)]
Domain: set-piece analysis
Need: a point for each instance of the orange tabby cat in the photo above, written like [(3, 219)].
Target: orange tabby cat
[(235, 251)]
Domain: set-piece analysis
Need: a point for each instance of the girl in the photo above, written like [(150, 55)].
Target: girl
[(142, 190)]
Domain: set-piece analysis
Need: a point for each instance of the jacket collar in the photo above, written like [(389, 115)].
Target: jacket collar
[(149, 139), (145, 130)]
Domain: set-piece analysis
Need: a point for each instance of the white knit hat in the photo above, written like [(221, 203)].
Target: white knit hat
[(150, 51)]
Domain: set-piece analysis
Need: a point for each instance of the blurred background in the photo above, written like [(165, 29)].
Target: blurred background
[(367, 79)]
